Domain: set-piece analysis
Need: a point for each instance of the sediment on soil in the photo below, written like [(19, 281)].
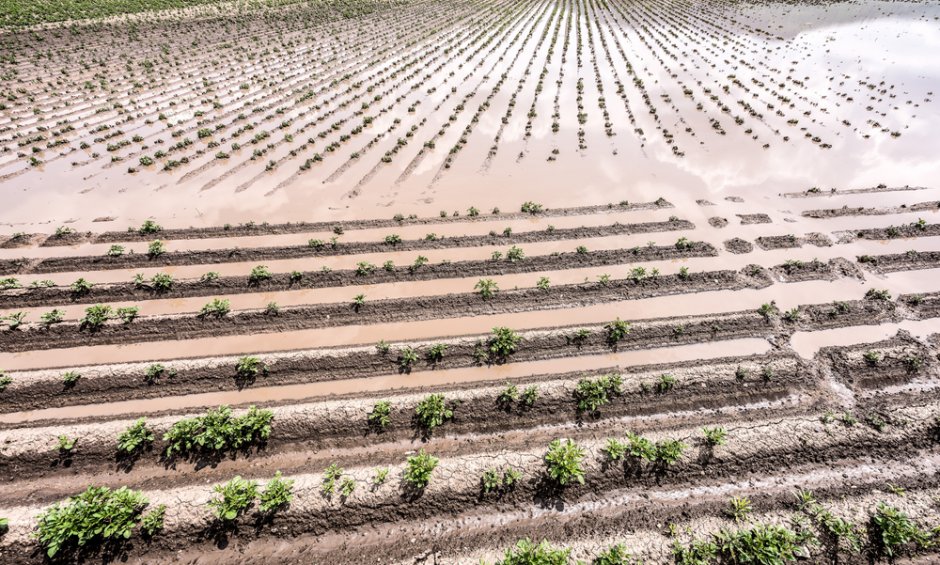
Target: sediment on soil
[(890, 232), (791, 241), (898, 360), (796, 271), (844, 192)]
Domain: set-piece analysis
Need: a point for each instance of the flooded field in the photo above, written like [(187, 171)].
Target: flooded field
[(304, 117), (485, 281)]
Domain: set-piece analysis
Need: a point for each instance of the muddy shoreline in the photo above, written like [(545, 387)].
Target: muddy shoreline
[(769, 243)]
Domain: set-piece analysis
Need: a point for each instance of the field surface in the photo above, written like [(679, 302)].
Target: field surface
[(653, 278)]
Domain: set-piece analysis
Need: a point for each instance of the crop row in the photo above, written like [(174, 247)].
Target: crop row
[(566, 468)]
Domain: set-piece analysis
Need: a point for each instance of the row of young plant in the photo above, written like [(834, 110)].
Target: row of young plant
[(161, 283), (508, 262), (531, 115), (502, 345), (78, 522), (518, 24), (420, 69), (484, 107), (217, 106), (219, 432), (889, 533), (522, 82), (652, 27), (769, 310), (420, 64), (65, 235), (157, 254), (453, 18), (497, 348), (302, 103), (98, 315), (101, 515)]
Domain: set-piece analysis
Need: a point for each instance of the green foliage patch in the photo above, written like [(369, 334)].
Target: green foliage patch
[(218, 431), (96, 515)]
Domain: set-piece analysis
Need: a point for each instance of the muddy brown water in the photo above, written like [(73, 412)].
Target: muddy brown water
[(625, 166)]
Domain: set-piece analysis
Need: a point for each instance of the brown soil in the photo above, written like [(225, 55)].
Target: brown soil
[(862, 211), (791, 241), (738, 246), (748, 219)]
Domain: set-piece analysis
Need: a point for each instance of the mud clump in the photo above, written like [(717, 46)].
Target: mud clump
[(739, 246), (748, 219)]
